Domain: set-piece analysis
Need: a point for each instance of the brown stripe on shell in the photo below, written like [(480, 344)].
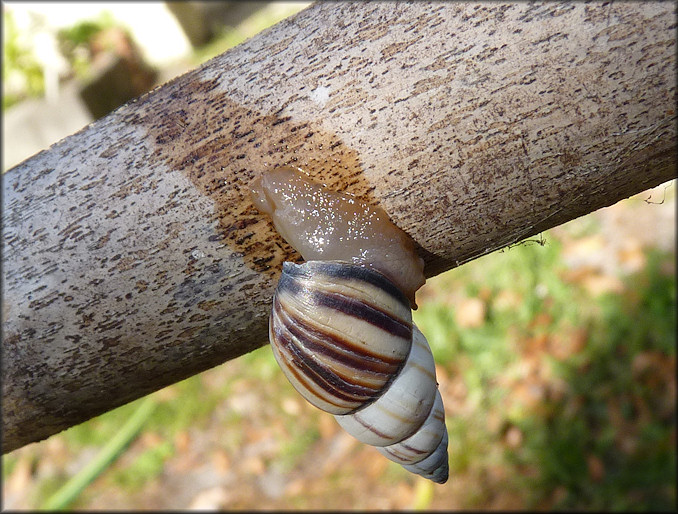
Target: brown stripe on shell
[(345, 406), (307, 379), (347, 335), (371, 428), (422, 369), (364, 311), (311, 270), (351, 368), (367, 374), (408, 448), (360, 309), (423, 442), (323, 377), (331, 357), (301, 382), (336, 347), (400, 456), (434, 467)]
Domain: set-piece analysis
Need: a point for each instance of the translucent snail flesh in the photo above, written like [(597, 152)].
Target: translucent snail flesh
[(341, 324), (326, 225)]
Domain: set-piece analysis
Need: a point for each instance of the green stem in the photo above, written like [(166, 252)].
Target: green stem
[(423, 494), (70, 491)]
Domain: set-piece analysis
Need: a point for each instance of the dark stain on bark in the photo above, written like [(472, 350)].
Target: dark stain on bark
[(222, 146)]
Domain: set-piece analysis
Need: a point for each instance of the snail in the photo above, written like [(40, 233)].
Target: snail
[(341, 322)]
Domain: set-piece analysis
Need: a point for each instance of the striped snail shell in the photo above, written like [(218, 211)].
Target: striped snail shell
[(343, 335)]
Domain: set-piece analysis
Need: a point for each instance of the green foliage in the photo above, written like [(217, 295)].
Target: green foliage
[(72, 489), (8, 465), (191, 407), (99, 430), (610, 415), (606, 442), (261, 363), (435, 320), (82, 32), (297, 447), (146, 466), (22, 75), (170, 416), (47, 489), (74, 42)]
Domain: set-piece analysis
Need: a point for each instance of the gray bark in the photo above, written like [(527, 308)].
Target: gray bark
[(133, 257)]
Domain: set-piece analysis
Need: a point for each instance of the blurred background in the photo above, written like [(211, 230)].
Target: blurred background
[(555, 356), (66, 64)]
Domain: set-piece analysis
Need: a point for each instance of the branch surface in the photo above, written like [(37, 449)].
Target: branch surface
[(133, 257)]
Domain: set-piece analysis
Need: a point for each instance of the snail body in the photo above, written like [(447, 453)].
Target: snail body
[(326, 225), (341, 323)]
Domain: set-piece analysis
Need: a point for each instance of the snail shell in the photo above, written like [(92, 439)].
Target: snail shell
[(340, 332), (343, 335)]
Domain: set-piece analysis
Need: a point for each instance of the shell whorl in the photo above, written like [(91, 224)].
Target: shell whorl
[(414, 453), (340, 332), (343, 335), (407, 423), (405, 404)]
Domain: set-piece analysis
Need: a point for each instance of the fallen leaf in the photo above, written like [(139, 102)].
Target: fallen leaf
[(215, 498), (632, 257), (252, 465), (584, 252), (295, 488), (182, 441), (514, 437), (291, 406), (327, 426), (376, 463), (402, 496), (17, 483), (596, 468), (599, 284), (221, 461), (470, 313), (507, 299), (151, 439)]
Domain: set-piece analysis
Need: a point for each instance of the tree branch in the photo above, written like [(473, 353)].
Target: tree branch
[(133, 257)]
